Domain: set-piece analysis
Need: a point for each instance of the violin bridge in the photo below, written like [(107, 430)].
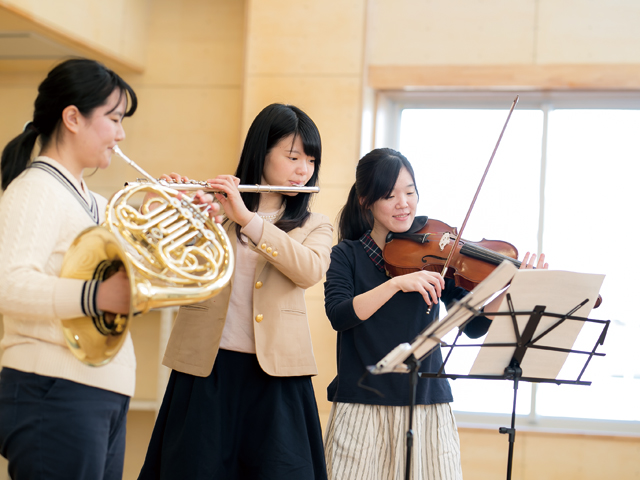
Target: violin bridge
[(444, 241)]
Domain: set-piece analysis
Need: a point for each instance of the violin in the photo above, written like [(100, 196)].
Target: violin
[(428, 246)]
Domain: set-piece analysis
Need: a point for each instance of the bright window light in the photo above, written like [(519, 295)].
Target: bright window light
[(587, 168), (449, 150), (592, 193)]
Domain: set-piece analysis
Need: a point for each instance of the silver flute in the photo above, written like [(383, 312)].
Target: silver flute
[(194, 185)]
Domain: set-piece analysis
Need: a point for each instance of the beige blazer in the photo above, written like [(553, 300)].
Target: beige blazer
[(288, 264)]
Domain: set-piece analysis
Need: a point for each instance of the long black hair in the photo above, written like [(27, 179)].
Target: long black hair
[(376, 175), (272, 124), (85, 83)]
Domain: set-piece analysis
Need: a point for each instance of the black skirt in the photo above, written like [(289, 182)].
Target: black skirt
[(237, 423)]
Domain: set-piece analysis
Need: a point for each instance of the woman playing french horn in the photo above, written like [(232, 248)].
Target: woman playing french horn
[(240, 403), (59, 418)]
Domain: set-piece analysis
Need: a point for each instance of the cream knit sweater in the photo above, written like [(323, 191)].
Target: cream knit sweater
[(40, 216)]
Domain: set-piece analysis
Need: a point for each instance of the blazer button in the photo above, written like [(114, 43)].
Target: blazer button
[(263, 246), (259, 318), (269, 250), (275, 253), (258, 284)]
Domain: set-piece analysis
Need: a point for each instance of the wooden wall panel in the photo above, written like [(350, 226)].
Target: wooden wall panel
[(582, 32), (116, 30), (538, 77), (549, 456), (417, 32), (311, 54), (188, 118), (305, 38)]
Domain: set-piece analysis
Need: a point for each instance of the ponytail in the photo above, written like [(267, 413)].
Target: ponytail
[(17, 154), (353, 220)]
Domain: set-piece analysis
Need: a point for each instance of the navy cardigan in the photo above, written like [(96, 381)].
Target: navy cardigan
[(363, 343)]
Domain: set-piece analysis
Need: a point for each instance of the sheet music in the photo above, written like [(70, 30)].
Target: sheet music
[(456, 316), (560, 292)]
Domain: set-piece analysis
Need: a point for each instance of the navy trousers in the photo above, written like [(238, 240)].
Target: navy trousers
[(51, 428)]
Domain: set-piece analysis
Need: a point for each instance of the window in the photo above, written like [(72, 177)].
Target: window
[(564, 182)]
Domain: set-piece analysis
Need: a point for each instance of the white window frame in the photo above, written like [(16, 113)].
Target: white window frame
[(386, 133)]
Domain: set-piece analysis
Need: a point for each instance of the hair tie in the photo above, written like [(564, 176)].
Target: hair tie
[(30, 126)]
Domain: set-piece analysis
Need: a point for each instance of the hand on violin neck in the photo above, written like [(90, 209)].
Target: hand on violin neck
[(429, 284), (529, 262)]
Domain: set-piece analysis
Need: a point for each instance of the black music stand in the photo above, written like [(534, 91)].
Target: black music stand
[(534, 331)]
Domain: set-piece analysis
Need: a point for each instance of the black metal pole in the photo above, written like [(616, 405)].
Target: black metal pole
[(414, 365), (513, 371)]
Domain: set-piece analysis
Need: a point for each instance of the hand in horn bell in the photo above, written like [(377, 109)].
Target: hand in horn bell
[(113, 294)]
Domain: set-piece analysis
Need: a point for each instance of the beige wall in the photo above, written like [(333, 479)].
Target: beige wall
[(190, 94), (310, 54), (505, 43), (548, 456), (476, 32), (209, 66), (116, 29)]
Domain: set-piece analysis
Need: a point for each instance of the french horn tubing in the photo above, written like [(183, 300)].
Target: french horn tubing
[(173, 254)]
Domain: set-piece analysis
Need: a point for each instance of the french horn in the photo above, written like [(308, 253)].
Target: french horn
[(172, 252)]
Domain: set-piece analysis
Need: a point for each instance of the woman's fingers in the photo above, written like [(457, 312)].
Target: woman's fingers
[(529, 261), (114, 293), (225, 178), (425, 296), (542, 263), (222, 184), (436, 282), (202, 197), (176, 177), (212, 208), (228, 195), (429, 294)]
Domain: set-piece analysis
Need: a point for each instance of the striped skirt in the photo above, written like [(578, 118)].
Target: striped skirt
[(368, 442)]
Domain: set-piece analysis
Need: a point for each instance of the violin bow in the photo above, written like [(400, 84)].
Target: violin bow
[(475, 197)]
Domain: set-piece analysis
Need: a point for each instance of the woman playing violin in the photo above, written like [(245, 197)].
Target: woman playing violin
[(372, 314)]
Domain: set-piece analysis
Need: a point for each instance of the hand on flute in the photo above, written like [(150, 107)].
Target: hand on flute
[(200, 198)]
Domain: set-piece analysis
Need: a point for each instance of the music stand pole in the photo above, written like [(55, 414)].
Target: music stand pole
[(515, 372), (414, 365)]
